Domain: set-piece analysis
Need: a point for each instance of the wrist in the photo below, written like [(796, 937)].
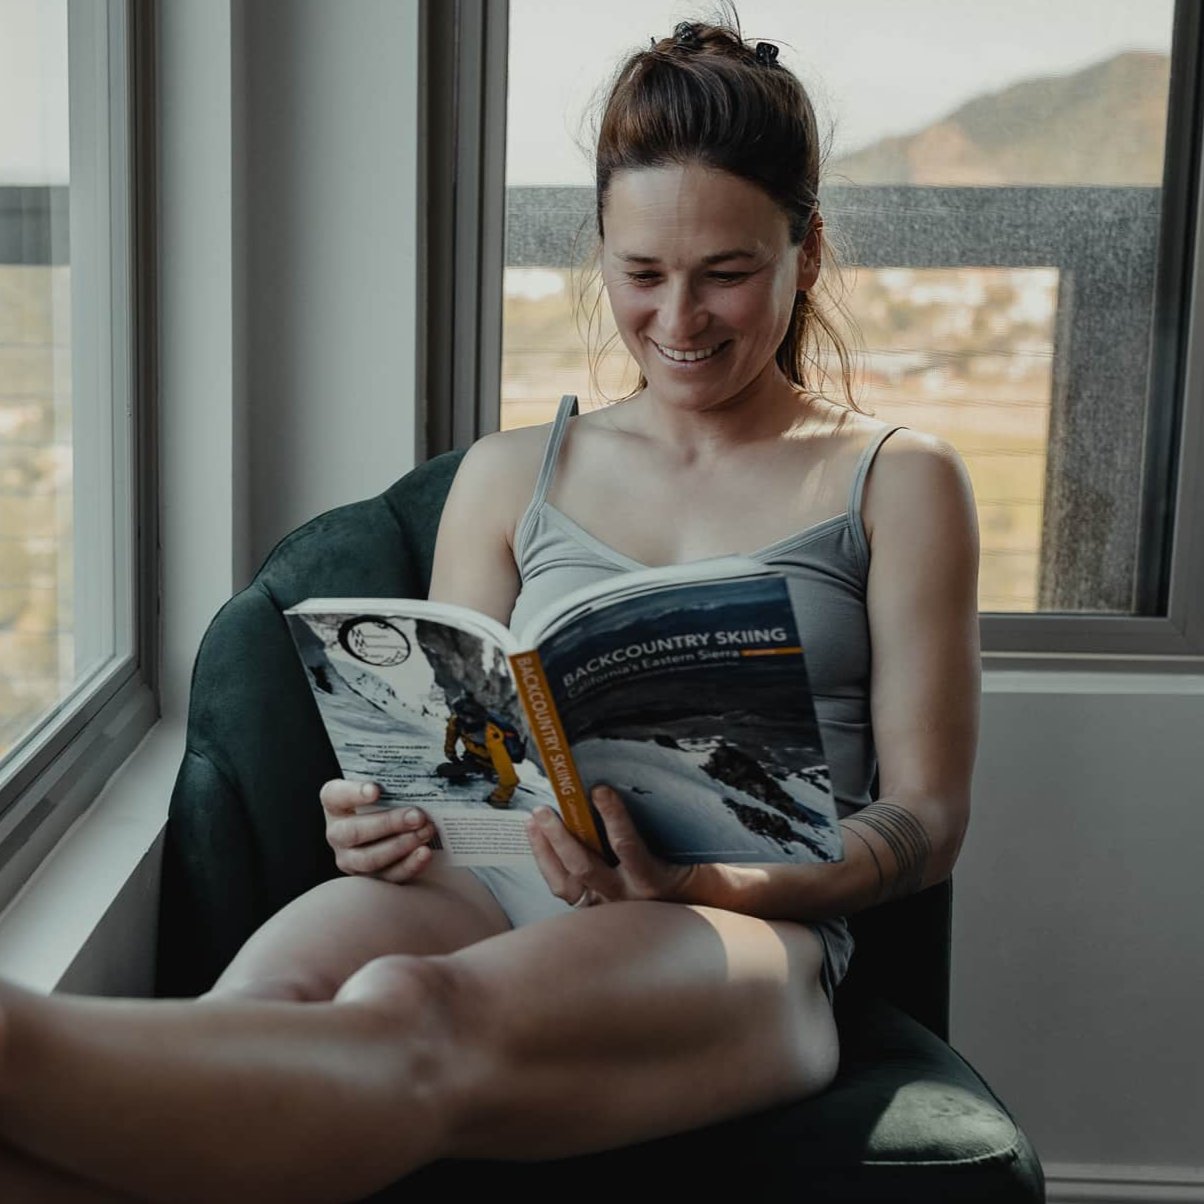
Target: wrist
[(773, 892), (689, 885), (710, 884)]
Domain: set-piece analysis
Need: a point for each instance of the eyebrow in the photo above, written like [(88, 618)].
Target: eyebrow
[(718, 257)]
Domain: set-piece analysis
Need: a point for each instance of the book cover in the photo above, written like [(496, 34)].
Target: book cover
[(693, 702)]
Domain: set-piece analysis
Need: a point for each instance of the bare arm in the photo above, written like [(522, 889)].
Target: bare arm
[(474, 560), (473, 567), (924, 698)]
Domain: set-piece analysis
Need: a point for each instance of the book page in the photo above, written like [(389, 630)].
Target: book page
[(693, 702), (428, 710)]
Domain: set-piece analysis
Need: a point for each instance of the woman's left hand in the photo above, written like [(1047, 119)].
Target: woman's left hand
[(579, 876)]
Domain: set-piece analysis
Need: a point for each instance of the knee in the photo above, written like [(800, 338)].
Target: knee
[(420, 1016), (414, 992)]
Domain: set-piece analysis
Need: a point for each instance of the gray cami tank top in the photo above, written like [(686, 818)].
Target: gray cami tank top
[(826, 566)]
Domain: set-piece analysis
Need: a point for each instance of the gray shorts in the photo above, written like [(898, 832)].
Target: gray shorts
[(524, 896)]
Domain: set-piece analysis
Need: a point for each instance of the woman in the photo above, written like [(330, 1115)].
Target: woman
[(473, 1006)]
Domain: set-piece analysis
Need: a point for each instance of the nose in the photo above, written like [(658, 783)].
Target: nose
[(682, 315)]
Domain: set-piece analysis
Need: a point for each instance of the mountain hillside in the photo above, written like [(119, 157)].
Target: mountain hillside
[(1102, 125)]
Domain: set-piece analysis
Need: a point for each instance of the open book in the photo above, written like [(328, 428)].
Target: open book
[(685, 688)]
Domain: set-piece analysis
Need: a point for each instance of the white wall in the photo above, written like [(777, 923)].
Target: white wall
[(288, 212), (329, 175), (201, 393), (1078, 957)]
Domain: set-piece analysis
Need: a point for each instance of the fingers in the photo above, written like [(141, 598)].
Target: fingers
[(358, 830), (646, 876), (388, 844), (383, 858), (407, 868), (341, 797), (578, 861), (568, 866), (550, 865), (625, 841)]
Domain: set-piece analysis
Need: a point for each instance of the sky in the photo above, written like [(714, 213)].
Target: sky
[(873, 67), (33, 92)]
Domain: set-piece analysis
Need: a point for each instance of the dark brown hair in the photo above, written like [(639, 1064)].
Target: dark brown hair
[(703, 96)]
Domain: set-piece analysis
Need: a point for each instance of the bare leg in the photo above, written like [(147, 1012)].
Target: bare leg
[(308, 949), (220, 1100), (616, 1024), (306, 952)]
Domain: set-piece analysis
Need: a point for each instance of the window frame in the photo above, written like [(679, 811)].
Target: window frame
[(464, 192), (50, 778), (463, 50)]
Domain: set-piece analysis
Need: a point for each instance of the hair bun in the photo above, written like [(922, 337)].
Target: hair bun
[(686, 34)]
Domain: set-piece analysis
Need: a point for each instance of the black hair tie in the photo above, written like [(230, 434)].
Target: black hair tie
[(767, 54), (686, 33)]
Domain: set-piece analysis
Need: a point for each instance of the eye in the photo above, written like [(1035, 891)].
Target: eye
[(642, 277), (729, 277)]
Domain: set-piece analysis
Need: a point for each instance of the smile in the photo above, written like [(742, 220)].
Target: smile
[(687, 357)]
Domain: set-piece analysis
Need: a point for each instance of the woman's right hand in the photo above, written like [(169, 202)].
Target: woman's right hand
[(389, 844)]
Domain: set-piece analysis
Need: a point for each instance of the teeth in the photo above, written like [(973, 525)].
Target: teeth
[(688, 357)]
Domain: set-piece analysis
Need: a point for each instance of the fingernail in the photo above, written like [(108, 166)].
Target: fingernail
[(545, 816), (413, 817), (366, 789)]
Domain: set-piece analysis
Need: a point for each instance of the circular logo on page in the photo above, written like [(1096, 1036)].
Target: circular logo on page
[(374, 641)]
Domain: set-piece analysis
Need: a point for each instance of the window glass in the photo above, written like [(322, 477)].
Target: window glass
[(35, 381), (56, 431), (993, 186)]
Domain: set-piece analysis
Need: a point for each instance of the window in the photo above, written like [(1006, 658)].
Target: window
[(1015, 203), (77, 519)]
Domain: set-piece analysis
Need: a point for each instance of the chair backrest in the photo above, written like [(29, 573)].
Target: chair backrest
[(245, 833)]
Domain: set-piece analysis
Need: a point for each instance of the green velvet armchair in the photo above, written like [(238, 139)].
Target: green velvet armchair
[(907, 1119)]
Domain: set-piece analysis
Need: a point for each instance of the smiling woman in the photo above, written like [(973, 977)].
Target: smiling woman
[(701, 321), (702, 142), (476, 1003)]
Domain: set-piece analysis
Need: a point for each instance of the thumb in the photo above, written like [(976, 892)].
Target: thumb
[(624, 837)]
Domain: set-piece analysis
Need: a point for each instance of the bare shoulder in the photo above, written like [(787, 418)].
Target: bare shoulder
[(504, 454), (918, 489), (499, 471), (474, 550)]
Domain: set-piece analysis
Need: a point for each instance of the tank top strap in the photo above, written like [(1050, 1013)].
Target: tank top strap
[(547, 469), (551, 452), (857, 490)]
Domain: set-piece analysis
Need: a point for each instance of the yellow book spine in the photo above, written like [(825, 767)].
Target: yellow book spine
[(544, 722)]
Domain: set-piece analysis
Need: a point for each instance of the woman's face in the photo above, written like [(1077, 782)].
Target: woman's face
[(701, 278)]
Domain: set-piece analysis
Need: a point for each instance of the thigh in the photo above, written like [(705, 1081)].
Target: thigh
[(309, 948), (618, 1023)]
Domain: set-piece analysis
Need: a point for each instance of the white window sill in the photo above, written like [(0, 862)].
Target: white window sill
[(1086, 681), (86, 920)]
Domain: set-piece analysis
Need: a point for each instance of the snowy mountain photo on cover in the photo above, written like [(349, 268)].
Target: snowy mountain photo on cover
[(430, 713), (693, 702)]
